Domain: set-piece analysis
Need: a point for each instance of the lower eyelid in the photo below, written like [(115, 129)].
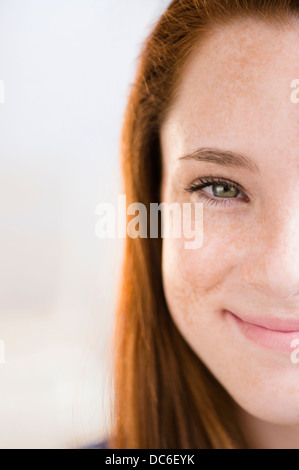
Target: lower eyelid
[(215, 201)]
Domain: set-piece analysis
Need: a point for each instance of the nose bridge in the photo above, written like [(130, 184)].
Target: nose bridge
[(272, 263)]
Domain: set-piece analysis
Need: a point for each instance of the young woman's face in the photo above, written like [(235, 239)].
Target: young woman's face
[(236, 298)]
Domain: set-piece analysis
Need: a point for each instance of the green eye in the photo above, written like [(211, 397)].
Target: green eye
[(217, 190), (224, 190)]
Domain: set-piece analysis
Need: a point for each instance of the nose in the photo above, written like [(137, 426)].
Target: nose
[(272, 261)]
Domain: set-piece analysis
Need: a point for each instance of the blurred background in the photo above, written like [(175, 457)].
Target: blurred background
[(66, 66)]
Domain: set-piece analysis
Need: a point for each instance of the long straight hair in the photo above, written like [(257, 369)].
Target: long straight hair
[(163, 395)]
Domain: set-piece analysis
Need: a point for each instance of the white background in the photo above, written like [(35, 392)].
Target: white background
[(67, 66)]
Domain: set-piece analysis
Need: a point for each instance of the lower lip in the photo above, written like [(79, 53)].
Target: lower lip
[(270, 339)]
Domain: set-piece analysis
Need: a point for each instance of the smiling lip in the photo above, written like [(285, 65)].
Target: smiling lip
[(271, 333)]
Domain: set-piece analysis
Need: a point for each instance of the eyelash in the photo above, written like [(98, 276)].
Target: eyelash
[(196, 187)]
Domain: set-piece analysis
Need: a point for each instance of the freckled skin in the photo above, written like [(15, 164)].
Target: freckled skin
[(235, 95)]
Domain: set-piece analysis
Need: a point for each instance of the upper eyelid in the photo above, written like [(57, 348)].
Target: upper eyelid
[(210, 180)]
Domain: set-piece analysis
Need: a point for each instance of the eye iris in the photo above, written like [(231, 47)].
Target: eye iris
[(223, 190)]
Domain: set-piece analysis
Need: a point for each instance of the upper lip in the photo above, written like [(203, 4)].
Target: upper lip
[(286, 325)]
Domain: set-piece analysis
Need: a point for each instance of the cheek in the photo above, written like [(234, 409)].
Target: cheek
[(199, 271), (193, 287), (190, 279), (198, 282)]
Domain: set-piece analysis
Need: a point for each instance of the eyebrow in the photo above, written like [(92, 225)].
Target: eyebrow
[(221, 157)]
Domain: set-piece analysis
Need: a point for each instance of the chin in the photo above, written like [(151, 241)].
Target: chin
[(265, 390)]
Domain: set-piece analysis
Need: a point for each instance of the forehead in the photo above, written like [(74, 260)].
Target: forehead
[(236, 90)]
